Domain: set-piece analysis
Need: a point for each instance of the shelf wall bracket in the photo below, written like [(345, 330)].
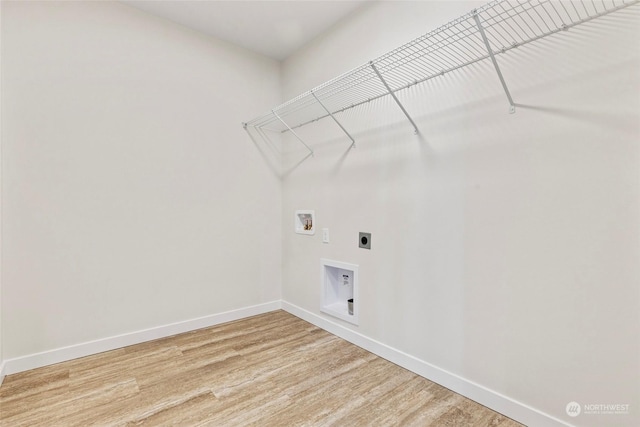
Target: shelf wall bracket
[(512, 106), (292, 131), (353, 141), (393, 95)]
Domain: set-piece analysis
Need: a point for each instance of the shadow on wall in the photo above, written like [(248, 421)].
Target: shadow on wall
[(605, 119), (271, 158)]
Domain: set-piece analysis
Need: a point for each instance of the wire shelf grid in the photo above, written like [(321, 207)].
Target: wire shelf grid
[(483, 33)]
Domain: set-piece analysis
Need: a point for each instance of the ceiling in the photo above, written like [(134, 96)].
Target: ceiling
[(272, 28)]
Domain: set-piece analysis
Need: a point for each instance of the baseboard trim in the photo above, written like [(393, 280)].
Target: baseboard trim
[(476, 392), (32, 361), (2, 374)]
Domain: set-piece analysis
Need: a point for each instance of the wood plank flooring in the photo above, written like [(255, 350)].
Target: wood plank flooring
[(268, 370)]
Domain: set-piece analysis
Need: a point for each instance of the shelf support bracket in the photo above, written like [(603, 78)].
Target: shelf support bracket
[(393, 95), (292, 131), (353, 141), (512, 106)]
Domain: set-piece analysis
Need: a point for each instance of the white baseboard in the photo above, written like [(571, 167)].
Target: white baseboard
[(2, 374), (476, 392), (32, 361)]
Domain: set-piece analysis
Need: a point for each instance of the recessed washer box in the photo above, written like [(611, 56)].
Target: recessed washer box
[(339, 282), (304, 222)]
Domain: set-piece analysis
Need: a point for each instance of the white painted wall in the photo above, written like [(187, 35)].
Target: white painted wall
[(1, 358), (504, 247), (132, 198)]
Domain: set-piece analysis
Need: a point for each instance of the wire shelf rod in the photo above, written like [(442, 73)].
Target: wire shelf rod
[(368, 77), (381, 59), (361, 80), (585, 8), (432, 48), (497, 31), (423, 61), (441, 73), (423, 51), (366, 83), (372, 98), (357, 94), (526, 12), (353, 141), (293, 132), (575, 8), (558, 14), (546, 23), (517, 21), (269, 129), (395, 98), (384, 94), (348, 107), (418, 69), (495, 63), (322, 94), (506, 24), (359, 88)]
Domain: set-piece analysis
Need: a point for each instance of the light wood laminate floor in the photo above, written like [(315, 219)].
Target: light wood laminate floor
[(268, 370)]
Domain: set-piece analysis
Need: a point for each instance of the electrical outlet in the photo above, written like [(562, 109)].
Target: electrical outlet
[(364, 240)]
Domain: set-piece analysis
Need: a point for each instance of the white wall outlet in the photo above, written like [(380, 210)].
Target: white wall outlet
[(325, 235)]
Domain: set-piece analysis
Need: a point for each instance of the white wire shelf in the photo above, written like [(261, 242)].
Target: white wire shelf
[(484, 33)]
